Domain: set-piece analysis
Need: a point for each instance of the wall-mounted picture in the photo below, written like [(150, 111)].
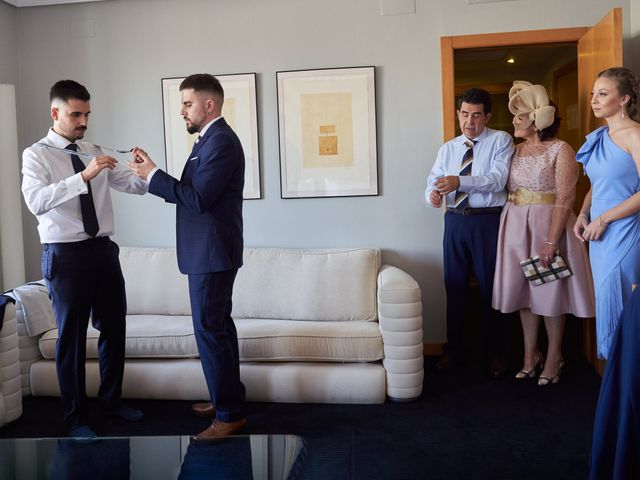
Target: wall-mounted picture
[(239, 110), (327, 128)]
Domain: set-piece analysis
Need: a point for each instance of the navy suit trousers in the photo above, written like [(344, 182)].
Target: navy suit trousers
[(84, 278), (470, 242), (217, 341)]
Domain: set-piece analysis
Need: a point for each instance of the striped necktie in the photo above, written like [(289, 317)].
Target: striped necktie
[(462, 198)]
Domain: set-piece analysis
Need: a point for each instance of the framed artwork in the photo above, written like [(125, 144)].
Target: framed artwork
[(240, 112), (327, 129)]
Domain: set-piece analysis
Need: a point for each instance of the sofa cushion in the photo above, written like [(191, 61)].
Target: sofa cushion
[(153, 282), (278, 340), (159, 336), (148, 336), (314, 285)]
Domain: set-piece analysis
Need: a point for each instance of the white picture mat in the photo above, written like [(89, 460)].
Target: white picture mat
[(361, 178), (240, 94)]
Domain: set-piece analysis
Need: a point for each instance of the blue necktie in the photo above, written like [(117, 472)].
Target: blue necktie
[(87, 208)]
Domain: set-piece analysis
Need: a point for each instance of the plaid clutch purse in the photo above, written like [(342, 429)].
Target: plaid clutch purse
[(537, 274)]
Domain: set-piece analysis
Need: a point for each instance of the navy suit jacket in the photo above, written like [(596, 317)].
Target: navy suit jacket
[(209, 202)]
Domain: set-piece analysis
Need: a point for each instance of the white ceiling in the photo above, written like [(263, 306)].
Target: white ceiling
[(37, 3)]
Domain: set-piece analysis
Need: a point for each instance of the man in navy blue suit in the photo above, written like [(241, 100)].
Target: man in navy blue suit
[(209, 242)]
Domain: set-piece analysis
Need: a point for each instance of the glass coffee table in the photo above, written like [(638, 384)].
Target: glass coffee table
[(269, 457)]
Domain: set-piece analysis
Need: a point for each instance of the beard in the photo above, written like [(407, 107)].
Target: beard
[(192, 128)]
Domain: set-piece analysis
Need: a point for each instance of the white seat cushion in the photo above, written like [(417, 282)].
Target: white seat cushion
[(163, 336), (279, 340), (148, 336)]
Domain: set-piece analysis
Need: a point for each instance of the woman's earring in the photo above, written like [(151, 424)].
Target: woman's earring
[(622, 111)]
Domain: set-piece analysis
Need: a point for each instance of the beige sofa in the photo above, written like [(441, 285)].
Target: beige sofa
[(10, 393), (322, 326)]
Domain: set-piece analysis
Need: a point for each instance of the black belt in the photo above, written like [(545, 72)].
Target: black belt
[(83, 243), (475, 211)]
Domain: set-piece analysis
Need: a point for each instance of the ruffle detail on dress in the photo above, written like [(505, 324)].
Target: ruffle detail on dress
[(583, 155), (608, 310)]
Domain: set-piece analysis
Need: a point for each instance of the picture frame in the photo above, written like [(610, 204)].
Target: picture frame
[(239, 110), (327, 132)]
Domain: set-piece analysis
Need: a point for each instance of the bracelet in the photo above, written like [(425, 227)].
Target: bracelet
[(584, 215), (603, 223), (551, 243)]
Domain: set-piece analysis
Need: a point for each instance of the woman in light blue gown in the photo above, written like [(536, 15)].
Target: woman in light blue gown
[(610, 221), (609, 218)]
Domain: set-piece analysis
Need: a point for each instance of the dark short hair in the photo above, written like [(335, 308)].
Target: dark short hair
[(476, 96), (67, 89), (203, 82), (552, 130)]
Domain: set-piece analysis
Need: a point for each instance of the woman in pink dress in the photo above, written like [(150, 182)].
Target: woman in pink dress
[(537, 220)]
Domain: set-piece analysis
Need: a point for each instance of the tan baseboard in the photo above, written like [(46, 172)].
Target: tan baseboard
[(432, 349)]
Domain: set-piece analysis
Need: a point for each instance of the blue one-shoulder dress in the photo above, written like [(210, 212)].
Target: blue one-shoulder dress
[(615, 257), (615, 451)]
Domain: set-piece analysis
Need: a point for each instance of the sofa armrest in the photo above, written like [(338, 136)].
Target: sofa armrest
[(400, 320), (29, 349), (10, 392)]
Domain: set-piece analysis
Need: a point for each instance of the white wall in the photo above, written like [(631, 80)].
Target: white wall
[(8, 52), (8, 57), (137, 42)]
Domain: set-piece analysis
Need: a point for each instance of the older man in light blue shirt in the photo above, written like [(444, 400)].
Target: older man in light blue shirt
[(469, 176)]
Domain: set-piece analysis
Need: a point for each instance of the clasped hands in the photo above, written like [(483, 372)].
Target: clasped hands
[(444, 186), (589, 231)]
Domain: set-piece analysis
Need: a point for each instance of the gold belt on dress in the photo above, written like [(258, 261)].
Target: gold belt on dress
[(522, 196)]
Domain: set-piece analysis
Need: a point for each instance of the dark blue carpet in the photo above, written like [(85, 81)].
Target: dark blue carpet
[(465, 425)]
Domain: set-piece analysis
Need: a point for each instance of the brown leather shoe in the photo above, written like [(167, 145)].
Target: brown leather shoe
[(497, 368), (218, 428), (205, 409)]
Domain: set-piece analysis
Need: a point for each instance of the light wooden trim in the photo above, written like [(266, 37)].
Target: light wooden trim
[(448, 94), (511, 39), (449, 44)]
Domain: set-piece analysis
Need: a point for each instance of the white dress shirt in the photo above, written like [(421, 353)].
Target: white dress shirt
[(52, 190), (492, 153)]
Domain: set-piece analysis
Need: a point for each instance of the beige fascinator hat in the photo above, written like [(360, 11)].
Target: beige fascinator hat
[(532, 101)]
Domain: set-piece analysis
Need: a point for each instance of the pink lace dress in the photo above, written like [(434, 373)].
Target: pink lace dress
[(548, 167)]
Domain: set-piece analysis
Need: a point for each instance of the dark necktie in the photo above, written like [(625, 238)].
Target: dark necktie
[(462, 198), (88, 209)]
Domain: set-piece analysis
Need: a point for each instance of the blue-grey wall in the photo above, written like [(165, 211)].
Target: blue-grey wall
[(121, 49)]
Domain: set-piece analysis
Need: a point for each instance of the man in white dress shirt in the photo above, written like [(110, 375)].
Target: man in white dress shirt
[(80, 264), (470, 174)]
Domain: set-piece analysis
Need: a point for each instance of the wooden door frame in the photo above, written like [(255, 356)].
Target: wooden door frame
[(448, 46)]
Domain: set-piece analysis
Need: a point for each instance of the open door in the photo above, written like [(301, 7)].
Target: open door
[(598, 49)]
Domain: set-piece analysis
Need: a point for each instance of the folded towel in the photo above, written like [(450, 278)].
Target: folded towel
[(3, 302), (36, 308)]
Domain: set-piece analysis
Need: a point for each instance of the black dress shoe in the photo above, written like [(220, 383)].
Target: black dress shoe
[(446, 362), (497, 368)]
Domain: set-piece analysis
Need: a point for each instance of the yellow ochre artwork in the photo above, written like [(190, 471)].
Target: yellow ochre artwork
[(327, 130), (328, 143)]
